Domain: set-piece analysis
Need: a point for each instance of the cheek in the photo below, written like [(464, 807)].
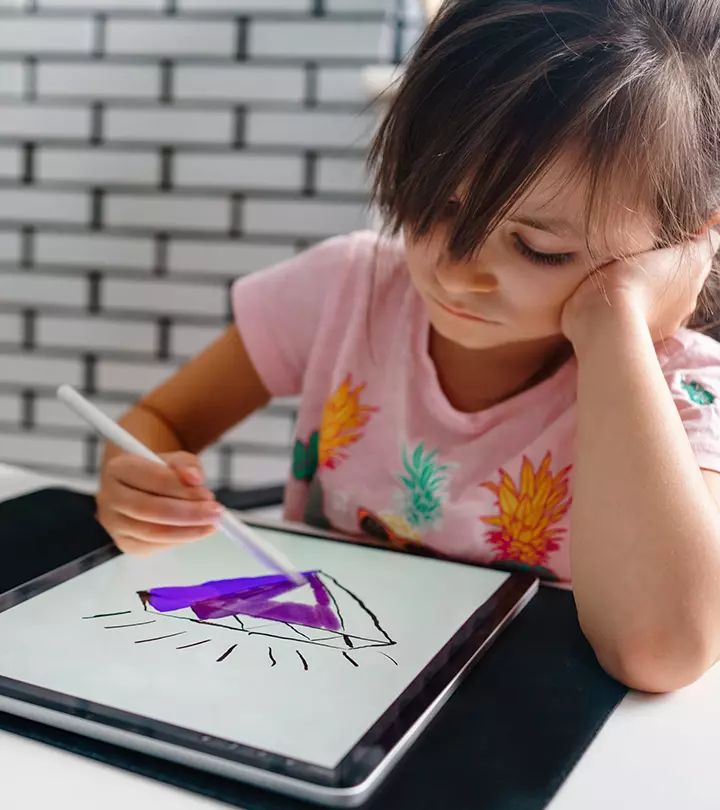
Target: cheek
[(422, 261), (541, 294)]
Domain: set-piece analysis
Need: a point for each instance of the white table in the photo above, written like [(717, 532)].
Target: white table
[(655, 752)]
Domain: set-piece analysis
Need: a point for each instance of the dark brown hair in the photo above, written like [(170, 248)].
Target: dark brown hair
[(497, 89)]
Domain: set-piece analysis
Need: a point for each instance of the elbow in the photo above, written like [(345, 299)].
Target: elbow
[(655, 665)]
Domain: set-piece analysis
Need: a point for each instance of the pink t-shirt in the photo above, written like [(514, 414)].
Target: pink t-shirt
[(379, 449)]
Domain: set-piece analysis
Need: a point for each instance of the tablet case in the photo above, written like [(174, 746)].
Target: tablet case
[(506, 740)]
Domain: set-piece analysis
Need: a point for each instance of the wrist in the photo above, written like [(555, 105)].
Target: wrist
[(620, 322)]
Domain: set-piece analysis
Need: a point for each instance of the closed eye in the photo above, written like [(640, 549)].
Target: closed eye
[(546, 259)]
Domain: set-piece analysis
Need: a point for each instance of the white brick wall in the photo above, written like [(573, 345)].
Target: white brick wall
[(88, 250), (223, 257), (12, 78), (40, 121), (150, 152), (45, 35), (169, 126), (255, 171), (97, 81), (163, 297), (98, 166), (180, 38), (239, 83)]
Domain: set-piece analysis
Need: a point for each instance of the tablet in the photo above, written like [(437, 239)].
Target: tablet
[(198, 656)]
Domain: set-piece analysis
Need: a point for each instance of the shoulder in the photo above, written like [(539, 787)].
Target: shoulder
[(691, 365), (690, 353)]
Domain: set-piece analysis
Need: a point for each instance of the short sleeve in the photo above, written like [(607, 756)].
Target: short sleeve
[(279, 311), (693, 376)]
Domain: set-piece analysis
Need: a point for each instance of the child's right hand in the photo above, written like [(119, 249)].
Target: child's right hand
[(146, 507)]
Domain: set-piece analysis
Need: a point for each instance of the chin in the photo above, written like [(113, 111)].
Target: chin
[(474, 335)]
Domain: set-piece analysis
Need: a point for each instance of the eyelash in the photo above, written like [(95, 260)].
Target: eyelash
[(545, 259)]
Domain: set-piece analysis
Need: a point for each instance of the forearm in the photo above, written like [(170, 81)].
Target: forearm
[(645, 529), (151, 429)]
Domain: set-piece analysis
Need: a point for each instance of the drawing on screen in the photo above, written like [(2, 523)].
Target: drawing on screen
[(321, 613)]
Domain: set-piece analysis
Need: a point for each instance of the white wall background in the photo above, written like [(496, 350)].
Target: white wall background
[(150, 152)]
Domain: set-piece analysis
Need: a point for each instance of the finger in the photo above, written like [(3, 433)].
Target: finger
[(136, 547), (149, 476), (188, 467), (153, 534), (160, 510)]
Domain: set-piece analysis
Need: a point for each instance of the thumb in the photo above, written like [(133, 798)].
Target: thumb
[(188, 467)]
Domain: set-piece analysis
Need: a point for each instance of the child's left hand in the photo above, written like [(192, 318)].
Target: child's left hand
[(660, 287)]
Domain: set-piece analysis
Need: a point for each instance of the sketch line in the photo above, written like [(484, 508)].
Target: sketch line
[(120, 626), (370, 641), (160, 638), (108, 615), (226, 654), (304, 662), (335, 605), (295, 630), (196, 644), (389, 658), (239, 621), (348, 641), (374, 618), (354, 663), (272, 657)]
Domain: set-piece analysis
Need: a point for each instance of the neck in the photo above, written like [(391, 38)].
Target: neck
[(476, 379)]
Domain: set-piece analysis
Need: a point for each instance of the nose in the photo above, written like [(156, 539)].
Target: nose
[(466, 278)]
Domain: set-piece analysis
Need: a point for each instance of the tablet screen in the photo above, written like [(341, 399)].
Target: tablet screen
[(201, 638)]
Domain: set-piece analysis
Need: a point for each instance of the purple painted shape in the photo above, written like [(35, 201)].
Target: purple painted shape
[(165, 600), (251, 596), (259, 604)]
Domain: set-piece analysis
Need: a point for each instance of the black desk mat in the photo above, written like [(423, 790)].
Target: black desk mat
[(506, 740)]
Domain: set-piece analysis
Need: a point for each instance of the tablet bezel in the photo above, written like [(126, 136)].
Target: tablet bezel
[(391, 733)]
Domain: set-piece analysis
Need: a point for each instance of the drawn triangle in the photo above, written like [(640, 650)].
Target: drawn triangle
[(268, 597)]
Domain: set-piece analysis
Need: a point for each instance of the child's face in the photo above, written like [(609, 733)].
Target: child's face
[(516, 286)]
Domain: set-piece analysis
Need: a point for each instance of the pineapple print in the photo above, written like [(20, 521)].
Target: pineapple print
[(420, 500), (698, 393), (525, 530), (343, 419)]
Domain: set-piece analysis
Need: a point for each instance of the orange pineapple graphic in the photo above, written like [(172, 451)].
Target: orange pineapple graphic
[(525, 529), (343, 420)]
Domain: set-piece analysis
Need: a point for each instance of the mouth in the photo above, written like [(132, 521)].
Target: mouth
[(468, 316)]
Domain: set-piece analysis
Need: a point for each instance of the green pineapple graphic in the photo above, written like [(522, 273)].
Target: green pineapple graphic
[(698, 393), (424, 479), (420, 501)]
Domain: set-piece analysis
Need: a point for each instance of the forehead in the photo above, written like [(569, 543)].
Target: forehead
[(618, 224)]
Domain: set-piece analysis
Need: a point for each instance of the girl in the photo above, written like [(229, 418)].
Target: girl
[(510, 382)]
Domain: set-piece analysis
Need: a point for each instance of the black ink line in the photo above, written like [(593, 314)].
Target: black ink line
[(160, 638), (348, 641), (196, 644), (120, 626), (389, 658), (304, 662), (108, 615), (336, 606), (369, 642), (226, 653), (239, 621), (295, 630), (354, 663), (374, 618), (272, 657)]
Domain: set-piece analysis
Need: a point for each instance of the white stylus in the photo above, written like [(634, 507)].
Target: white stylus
[(233, 527)]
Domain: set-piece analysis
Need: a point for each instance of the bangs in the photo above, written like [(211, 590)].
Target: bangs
[(491, 102)]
